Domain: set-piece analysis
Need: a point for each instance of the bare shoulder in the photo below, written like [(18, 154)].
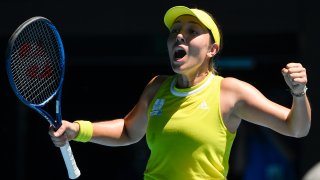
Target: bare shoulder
[(156, 82), (231, 84), (152, 87), (230, 95), (228, 82), (234, 85), (234, 94)]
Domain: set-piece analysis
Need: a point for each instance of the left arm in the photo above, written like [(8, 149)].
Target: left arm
[(251, 105), (299, 118)]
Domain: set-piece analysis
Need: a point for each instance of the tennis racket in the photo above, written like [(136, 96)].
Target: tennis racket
[(35, 64)]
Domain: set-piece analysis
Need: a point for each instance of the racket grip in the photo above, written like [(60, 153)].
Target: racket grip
[(73, 170)]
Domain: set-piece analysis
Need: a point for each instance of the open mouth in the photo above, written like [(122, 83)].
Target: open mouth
[(179, 53)]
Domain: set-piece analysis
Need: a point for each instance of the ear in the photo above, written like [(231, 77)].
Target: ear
[(213, 50)]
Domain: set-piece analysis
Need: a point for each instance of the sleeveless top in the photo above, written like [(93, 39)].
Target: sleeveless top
[(186, 133)]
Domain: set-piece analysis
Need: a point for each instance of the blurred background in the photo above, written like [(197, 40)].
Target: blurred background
[(113, 48)]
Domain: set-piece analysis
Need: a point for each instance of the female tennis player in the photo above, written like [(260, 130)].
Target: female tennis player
[(190, 119)]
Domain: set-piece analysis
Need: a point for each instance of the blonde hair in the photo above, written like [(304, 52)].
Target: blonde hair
[(212, 67)]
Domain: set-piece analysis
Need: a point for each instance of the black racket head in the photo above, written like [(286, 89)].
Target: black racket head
[(35, 61)]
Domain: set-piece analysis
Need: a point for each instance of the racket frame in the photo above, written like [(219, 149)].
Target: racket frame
[(58, 92), (73, 171)]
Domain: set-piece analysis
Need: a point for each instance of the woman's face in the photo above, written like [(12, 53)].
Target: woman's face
[(189, 45)]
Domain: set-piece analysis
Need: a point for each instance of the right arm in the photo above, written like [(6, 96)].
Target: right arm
[(117, 132)]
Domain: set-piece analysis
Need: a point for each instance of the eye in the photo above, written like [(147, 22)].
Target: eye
[(174, 31), (193, 32)]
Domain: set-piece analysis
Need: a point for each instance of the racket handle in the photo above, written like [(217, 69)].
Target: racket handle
[(73, 170)]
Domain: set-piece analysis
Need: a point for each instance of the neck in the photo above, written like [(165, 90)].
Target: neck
[(185, 81)]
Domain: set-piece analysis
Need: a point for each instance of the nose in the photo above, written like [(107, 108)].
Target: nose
[(180, 38)]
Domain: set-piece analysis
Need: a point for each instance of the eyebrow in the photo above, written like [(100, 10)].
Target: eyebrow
[(192, 22)]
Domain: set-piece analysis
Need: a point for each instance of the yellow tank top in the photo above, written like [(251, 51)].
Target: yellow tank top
[(186, 134)]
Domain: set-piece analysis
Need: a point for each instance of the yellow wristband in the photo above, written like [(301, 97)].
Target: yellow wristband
[(85, 131)]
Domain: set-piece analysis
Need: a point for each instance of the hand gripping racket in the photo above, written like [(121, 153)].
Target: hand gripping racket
[(35, 64)]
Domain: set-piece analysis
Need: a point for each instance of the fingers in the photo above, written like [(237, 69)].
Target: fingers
[(60, 141), (58, 137), (295, 73), (295, 76)]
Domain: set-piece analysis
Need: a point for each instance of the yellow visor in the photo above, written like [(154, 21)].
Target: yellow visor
[(174, 12)]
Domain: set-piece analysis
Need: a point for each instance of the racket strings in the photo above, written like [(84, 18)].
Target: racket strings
[(35, 63)]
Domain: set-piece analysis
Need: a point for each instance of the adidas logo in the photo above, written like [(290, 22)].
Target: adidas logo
[(203, 105)]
